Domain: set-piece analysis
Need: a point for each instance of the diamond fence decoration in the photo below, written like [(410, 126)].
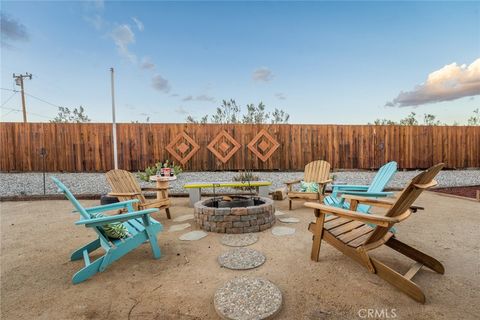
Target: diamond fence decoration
[(263, 145), (182, 147), (223, 146)]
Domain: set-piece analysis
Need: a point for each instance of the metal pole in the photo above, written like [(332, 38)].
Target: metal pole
[(114, 124)]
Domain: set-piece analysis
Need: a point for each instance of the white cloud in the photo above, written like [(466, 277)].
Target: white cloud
[(181, 110), (138, 23), (123, 36), (451, 82), (161, 84), (98, 4), (147, 64), (202, 97), (280, 96), (262, 74)]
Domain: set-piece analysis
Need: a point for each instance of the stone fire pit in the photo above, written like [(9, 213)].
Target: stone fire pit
[(237, 215)]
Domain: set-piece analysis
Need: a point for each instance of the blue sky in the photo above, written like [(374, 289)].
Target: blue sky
[(322, 62)]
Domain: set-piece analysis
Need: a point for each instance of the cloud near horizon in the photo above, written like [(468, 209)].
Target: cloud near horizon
[(262, 74), (202, 97), (451, 82)]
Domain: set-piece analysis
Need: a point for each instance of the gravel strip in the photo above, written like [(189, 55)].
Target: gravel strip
[(17, 184)]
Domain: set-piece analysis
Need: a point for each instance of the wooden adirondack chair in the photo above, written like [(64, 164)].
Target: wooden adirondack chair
[(351, 232), (375, 189), (125, 187), (316, 171), (139, 224)]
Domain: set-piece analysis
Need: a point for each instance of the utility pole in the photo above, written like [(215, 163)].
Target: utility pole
[(114, 124), (19, 82)]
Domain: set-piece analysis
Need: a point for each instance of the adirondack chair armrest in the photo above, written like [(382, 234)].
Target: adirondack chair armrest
[(123, 194), (363, 217), (369, 194), (293, 181), (111, 206), (369, 201), (325, 181), (342, 187), (116, 218)]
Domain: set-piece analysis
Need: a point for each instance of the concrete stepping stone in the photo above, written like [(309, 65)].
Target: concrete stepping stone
[(239, 240), (245, 298), (193, 235), (185, 217), (241, 259), (282, 231), (178, 227), (289, 219), (279, 213)]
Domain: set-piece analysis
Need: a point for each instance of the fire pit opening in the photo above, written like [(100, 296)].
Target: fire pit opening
[(235, 214), (234, 202)]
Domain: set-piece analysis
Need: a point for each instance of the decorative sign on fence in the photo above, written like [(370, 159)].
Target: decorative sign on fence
[(263, 145), (223, 146), (182, 147)]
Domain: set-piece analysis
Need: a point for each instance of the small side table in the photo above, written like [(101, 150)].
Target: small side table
[(162, 183)]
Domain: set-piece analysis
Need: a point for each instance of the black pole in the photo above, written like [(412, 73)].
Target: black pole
[(43, 153)]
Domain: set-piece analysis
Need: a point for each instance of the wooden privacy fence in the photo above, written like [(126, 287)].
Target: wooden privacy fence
[(88, 147)]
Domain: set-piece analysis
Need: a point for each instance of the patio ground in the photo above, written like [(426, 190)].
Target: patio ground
[(37, 238)]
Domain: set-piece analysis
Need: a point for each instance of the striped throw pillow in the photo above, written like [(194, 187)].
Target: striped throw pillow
[(113, 230), (308, 186)]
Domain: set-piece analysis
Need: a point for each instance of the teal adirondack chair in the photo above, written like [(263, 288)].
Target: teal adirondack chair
[(139, 224), (375, 189)]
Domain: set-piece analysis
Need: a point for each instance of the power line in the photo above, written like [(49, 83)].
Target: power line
[(40, 99), (32, 113), (35, 97), (9, 98)]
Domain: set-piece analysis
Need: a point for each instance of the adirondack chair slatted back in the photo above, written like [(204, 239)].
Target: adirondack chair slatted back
[(383, 176), (317, 171), (62, 188), (407, 198), (123, 181)]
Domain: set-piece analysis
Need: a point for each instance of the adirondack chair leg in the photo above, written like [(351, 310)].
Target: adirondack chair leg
[(92, 246), (398, 281), (289, 204), (317, 229), (151, 237), (88, 271), (416, 255), (167, 210), (154, 244)]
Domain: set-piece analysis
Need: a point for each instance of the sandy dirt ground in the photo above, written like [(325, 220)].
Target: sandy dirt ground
[(38, 237)]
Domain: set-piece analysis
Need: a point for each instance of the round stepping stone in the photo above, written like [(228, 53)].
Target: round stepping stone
[(185, 217), (247, 298), (279, 213), (282, 231), (239, 240), (289, 219), (241, 259), (193, 235), (178, 227)]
